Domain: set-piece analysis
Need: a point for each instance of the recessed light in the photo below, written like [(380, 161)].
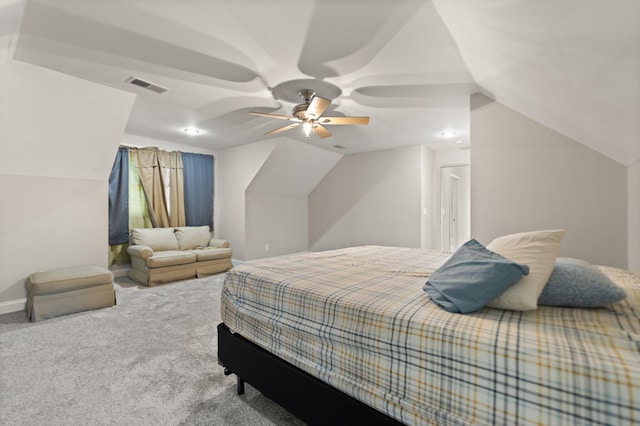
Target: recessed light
[(448, 134), (191, 131), (458, 142)]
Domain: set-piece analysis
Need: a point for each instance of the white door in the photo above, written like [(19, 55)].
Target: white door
[(455, 215)]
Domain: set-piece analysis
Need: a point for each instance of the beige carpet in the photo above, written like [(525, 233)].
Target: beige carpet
[(150, 360)]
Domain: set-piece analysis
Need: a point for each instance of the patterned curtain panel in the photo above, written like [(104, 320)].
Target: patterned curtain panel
[(198, 189), (146, 161), (119, 199), (161, 177), (171, 166), (139, 216)]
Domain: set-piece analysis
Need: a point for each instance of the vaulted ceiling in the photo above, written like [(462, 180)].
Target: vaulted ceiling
[(410, 65)]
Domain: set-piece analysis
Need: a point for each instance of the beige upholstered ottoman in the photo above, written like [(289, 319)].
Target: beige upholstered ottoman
[(68, 290)]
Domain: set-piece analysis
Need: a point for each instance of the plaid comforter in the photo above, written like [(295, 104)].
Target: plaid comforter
[(358, 319)]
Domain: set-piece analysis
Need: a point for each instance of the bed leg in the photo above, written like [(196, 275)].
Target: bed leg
[(239, 381)]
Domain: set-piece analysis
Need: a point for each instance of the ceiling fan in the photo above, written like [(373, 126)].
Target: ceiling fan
[(309, 115)]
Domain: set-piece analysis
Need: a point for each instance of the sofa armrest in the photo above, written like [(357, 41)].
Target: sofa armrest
[(143, 252), (217, 243)]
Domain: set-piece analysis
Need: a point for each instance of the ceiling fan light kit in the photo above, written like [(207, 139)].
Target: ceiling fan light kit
[(309, 115), (191, 131)]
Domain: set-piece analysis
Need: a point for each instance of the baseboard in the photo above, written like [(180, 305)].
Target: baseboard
[(12, 306)]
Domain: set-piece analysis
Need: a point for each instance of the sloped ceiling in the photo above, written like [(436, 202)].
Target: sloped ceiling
[(410, 65), (573, 66), (293, 168), (39, 105)]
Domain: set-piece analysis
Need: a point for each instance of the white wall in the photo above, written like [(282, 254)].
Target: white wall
[(369, 198), (58, 137), (276, 224), (11, 12), (429, 201), (633, 180), (235, 169), (524, 176), (276, 206), (262, 195)]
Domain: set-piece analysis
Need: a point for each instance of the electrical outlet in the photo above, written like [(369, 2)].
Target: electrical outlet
[(266, 247)]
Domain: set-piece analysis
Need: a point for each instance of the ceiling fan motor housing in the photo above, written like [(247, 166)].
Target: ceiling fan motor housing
[(300, 110)]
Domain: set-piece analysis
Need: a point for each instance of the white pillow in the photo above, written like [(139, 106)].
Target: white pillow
[(192, 237), (538, 250), (159, 239)]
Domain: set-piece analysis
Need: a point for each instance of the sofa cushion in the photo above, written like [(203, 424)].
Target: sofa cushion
[(66, 279), (191, 237), (219, 243), (170, 258), (158, 239), (211, 253)]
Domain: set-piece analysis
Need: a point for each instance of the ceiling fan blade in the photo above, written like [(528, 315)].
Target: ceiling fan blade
[(344, 120), (317, 107), (282, 129), (320, 131), (264, 114)]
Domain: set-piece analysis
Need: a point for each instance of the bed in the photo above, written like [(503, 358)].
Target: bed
[(349, 334)]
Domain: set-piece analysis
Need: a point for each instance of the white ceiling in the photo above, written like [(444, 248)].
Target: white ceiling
[(410, 65)]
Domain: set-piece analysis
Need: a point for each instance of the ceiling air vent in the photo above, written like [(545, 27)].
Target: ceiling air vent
[(147, 85)]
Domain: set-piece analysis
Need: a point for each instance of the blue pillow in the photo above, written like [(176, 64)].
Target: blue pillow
[(576, 283), (471, 278)]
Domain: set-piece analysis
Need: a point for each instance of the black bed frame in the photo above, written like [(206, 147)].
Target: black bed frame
[(303, 395)]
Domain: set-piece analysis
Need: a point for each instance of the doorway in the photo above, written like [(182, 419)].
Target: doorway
[(455, 215)]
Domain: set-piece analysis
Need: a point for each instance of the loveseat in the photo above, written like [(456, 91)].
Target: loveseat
[(161, 255)]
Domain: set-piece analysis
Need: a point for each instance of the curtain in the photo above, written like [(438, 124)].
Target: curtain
[(171, 162), (198, 189), (152, 164), (139, 216), (147, 189), (119, 199), (146, 161)]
